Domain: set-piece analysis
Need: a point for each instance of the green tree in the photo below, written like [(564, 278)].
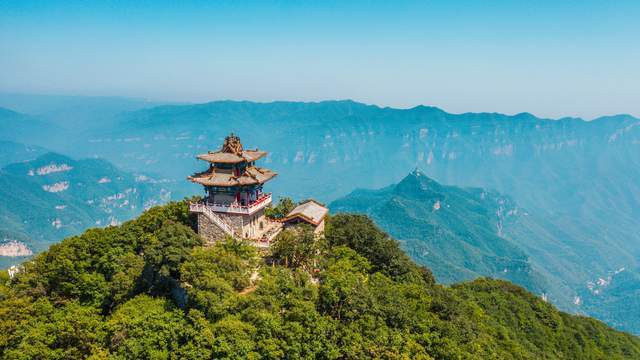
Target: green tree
[(125, 282), (284, 207), (168, 248), (361, 234), (233, 339), (145, 328), (297, 247), (72, 331), (343, 290), (217, 262)]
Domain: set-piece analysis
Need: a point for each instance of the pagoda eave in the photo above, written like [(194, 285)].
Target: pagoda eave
[(227, 181), (220, 157)]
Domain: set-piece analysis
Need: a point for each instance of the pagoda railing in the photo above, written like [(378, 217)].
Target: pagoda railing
[(262, 201), (209, 213)]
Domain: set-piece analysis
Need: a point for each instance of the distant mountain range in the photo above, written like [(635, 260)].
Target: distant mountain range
[(11, 152), (18, 127), (72, 112), (579, 178)]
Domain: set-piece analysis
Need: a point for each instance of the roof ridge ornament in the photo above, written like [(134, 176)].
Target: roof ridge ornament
[(232, 145)]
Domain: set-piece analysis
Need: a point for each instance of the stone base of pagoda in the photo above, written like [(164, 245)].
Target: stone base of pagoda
[(214, 226)]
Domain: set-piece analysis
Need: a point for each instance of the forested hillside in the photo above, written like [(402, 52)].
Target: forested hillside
[(48, 198), (464, 233), (149, 289), (458, 233)]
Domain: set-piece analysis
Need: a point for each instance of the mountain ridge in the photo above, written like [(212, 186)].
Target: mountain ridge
[(460, 232), (419, 107)]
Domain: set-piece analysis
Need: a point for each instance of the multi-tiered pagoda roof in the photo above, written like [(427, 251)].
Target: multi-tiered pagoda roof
[(232, 166)]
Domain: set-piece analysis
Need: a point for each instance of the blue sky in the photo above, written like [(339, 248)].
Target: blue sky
[(551, 58)]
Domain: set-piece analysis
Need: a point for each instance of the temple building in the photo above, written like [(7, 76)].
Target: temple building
[(234, 202), (308, 212)]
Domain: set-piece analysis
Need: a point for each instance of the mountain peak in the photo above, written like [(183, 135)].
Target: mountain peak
[(416, 172), (418, 185), (420, 178)]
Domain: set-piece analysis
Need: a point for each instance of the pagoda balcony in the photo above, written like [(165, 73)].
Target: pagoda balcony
[(234, 208)]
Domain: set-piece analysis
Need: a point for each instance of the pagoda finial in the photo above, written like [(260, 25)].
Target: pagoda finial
[(232, 145)]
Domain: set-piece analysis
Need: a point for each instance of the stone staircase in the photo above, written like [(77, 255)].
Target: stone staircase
[(273, 231), (211, 215)]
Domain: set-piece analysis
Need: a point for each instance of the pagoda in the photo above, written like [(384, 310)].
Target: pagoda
[(234, 202)]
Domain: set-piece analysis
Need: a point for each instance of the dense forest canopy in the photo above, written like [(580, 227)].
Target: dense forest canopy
[(150, 289)]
